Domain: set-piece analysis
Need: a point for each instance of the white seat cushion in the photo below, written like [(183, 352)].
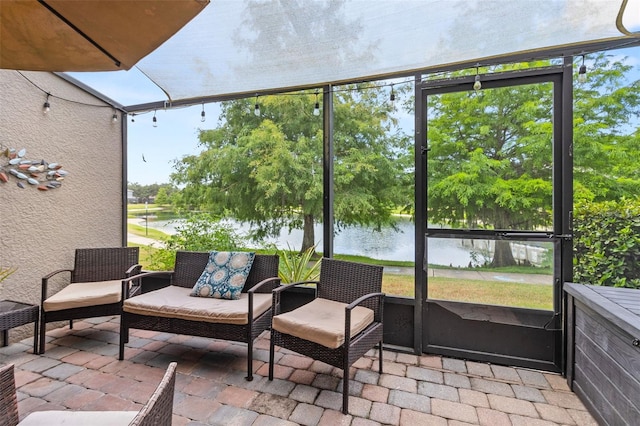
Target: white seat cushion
[(175, 302), (322, 321), (78, 418), (79, 295)]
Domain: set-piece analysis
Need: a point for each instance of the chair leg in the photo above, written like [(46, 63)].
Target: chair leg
[(380, 357), (43, 330), (70, 324), (345, 390), (271, 355), (36, 330), (124, 337), (249, 359)]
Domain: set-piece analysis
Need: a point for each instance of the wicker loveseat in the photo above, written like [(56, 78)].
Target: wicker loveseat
[(170, 309)]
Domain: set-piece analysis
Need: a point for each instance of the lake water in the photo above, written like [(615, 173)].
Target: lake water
[(387, 244)]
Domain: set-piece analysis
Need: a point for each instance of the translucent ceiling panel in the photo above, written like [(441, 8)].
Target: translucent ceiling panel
[(247, 46)]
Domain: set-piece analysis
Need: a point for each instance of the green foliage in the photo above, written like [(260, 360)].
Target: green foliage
[(147, 192), (605, 134), (294, 266), (162, 197), (267, 170), (491, 151), (199, 232), (607, 243), (5, 272)]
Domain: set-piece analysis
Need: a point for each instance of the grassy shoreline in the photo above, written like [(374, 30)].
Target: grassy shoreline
[(444, 288)]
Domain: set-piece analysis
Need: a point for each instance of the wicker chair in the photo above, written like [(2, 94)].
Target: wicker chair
[(263, 278), (156, 412), (340, 325), (94, 289)]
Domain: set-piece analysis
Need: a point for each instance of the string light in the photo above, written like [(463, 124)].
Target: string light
[(133, 120), (202, 114), (316, 107), (256, 109), (114, 117), (477, 85), (392, 97), (582, 72), (46, 107), (155, 120)]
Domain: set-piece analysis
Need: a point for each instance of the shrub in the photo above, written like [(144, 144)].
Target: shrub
[(607, 243), (199, 232)]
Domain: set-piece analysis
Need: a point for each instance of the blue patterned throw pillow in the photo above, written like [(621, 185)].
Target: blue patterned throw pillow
[(225, 275)]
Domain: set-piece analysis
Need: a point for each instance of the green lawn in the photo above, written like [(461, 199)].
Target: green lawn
[(533, 296), (463, 290)]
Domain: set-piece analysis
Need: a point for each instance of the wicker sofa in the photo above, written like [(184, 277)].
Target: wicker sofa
[(170, 309)]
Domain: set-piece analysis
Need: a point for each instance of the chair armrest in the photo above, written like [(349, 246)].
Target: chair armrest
[(275, 302), (273, 281), (347, 312), (361, 299), (133, 270), (45, 282), (51, 274), (126, 283)]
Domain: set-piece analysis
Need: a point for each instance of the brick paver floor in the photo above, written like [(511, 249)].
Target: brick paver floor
[(80, 371)]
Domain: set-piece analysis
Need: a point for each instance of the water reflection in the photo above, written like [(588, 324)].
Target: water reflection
[(386, 244)]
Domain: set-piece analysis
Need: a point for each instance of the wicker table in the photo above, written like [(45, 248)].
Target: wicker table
[(14, 314)]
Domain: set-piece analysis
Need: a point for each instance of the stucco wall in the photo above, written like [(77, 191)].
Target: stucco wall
[(39, 230)]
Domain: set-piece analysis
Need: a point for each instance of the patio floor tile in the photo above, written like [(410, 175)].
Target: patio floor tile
[(80, 371)]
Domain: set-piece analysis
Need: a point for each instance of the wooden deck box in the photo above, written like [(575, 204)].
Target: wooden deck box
[(603, 351)]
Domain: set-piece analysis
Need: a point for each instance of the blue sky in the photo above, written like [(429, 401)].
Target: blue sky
[(177, 132), (175, 136)]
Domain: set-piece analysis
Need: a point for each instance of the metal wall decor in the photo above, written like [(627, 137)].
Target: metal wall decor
[(37, 173)]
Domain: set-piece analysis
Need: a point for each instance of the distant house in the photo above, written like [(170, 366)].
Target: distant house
[(130, 197)]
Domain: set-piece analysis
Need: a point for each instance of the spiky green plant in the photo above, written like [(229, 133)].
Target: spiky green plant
[(296, 266)]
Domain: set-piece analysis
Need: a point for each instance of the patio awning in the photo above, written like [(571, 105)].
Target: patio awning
[(85, 35), (249, 47)]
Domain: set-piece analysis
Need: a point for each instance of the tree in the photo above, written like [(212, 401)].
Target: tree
[(147, 192), (162, 197), (489, 164), (267, 170), (606, 135)]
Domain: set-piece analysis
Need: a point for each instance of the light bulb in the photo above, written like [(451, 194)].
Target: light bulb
[(316, 109), (477, 85), (202, 117), (155, 121), (256, 110), (582, 73), (392, 97), (114, 118), (46, 107)]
